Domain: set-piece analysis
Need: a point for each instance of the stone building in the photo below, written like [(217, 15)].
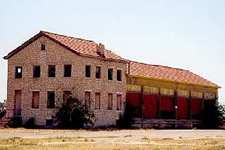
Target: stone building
[(49, 67)]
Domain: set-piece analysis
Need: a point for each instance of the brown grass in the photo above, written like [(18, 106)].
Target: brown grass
[(81, 143)]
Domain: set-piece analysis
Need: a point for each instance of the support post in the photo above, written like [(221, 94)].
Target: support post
[(142, 106), (158, 104), (189, 105)]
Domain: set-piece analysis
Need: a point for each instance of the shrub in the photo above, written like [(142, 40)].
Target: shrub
[(126, 119), (30, 124), (213, 115), (73, 114), (2, 110), (15, 122)]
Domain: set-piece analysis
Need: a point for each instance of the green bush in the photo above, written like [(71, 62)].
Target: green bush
[(73, 114), (126, 119), (15, 122), (30, 124), (213, 115)]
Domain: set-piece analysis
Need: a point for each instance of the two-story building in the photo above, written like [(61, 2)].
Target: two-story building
[(49, 67)]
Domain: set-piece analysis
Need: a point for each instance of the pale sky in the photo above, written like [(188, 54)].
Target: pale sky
[(188, 34)]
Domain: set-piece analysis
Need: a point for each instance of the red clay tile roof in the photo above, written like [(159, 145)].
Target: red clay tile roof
[(76, 45), (168, 73)]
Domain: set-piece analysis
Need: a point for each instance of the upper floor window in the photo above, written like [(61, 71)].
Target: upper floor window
[(88, 71), (67, 70), (51, 99), (18, 72), (98, 72), (51, 71), (36, 71), (42, 46), (35, 99), (110, 74), (119, 75)]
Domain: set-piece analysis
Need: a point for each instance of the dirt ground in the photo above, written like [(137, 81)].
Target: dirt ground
[(22, 139)]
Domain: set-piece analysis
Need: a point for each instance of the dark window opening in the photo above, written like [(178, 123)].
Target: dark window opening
[(110, 74), (67, 70), (88, 71), (36, 71), (119, 75), (18, 72), (119, 102), (98, 72), (51, 71), (51, 99), (42, 46)]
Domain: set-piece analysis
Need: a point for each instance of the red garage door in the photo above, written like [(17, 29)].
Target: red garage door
[(134, 99), (166, 103), (182, 111), (196, 107), (150, 106)]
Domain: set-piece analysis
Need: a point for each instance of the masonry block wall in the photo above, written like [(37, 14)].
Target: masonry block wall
[(57, 55)]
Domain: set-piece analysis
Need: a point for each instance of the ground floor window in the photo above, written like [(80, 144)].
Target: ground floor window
[(110, 101), (51, 99), (35, 99), (119, 101), (97, 101), (87, 100)]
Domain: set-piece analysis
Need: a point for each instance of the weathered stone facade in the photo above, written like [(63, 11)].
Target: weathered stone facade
[(55, 54)]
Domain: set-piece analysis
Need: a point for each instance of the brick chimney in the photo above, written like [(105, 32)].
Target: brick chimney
[(100, 50)]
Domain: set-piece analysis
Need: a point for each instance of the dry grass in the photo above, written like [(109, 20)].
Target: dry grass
[(82, 143)]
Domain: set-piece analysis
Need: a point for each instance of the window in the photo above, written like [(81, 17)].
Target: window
[(88, 71), (36, 71), (119, 75), (51, 71), (97, 101), (18, 72), (110, 101), (42, 46), (66, 95), (35, 99), (119, 101), (67, 70), (98, 72), (110, 74), (51, 99), (87, 100)]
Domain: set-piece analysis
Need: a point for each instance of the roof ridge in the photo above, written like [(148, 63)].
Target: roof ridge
[(42, 31), (160, 65)]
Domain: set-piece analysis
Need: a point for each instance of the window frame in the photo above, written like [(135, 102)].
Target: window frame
[(49, 71), (88, 71), (69, 73), (34, 71), (98, 72), (18, 75), (43, 47), (50, 104), (119, 76), (98, 105), (110, 77), (110, 101), (87, 102), (119, 102), (33, 100)]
